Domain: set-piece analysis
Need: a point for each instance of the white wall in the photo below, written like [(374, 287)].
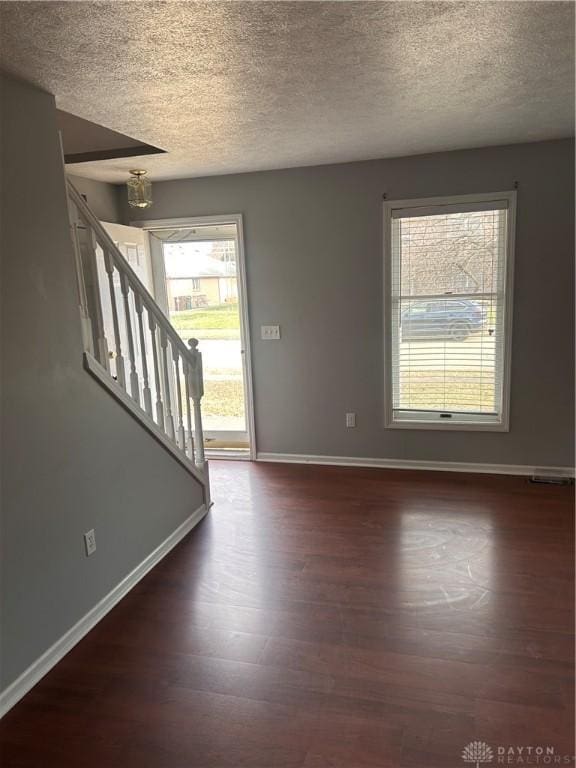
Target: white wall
[(72, 457)]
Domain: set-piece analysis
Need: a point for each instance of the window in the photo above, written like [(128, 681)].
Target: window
[(195, 283), (448, 292)]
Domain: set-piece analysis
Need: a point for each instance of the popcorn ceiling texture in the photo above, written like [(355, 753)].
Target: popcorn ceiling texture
[(228, 87)]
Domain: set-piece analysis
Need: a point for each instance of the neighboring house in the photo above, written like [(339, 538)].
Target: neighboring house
[(211, 282), (190, 292)]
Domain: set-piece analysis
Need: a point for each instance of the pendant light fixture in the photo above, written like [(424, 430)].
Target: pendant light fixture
[(139, 190)]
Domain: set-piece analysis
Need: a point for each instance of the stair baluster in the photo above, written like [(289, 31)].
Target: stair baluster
[(87, 338), (168, 418), (119, 360), (134, 384), (181, 437), (159, 403), (190, 443), (147, 395)]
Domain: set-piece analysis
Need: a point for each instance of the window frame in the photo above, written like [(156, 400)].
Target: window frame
[(430, 419)]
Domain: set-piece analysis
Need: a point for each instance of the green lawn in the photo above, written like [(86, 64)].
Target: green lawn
[(221, 322)]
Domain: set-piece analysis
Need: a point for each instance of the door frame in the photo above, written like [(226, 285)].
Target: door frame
[(159, 278)]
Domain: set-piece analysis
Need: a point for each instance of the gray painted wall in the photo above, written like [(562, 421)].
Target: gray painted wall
[(103, 199), (72, 458), (314, 263)]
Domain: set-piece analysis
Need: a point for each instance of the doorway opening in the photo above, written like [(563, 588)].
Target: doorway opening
[(200, 283)]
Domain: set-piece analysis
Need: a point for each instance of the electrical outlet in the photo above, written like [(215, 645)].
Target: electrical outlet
[(270, 332), (350, 419), (90, 542)]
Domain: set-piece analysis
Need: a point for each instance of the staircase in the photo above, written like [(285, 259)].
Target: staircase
[(131, 348)]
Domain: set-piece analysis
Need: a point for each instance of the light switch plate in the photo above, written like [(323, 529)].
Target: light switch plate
[(270, 331), (90, 542)]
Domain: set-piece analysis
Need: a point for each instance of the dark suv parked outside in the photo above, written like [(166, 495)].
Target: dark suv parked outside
[(453, 319)]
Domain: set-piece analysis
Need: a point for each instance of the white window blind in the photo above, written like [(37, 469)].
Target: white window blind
[(448, 303)]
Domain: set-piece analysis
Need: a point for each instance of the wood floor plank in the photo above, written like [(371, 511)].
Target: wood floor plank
[(327, 617)]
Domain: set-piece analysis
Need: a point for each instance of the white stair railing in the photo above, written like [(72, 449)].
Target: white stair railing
[(130, 345)]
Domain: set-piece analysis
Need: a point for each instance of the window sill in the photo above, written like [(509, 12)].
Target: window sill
[(448, 425)]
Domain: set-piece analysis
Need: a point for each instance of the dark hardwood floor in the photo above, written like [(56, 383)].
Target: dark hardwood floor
[(322, 616)]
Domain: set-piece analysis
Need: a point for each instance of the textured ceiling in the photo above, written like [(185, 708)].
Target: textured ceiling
[(240, 86)]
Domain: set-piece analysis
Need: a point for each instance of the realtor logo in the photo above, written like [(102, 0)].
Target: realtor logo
[(477, 752)]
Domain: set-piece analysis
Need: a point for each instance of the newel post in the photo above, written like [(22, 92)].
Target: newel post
[(197, 392)]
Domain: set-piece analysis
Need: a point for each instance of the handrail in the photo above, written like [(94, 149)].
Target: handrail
[(157, 361), (123, 266)]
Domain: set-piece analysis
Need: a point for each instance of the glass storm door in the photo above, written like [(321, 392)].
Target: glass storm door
[(197, 273)]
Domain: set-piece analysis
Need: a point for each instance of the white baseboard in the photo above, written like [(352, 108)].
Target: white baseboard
[(436, 466), (53, 655)]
